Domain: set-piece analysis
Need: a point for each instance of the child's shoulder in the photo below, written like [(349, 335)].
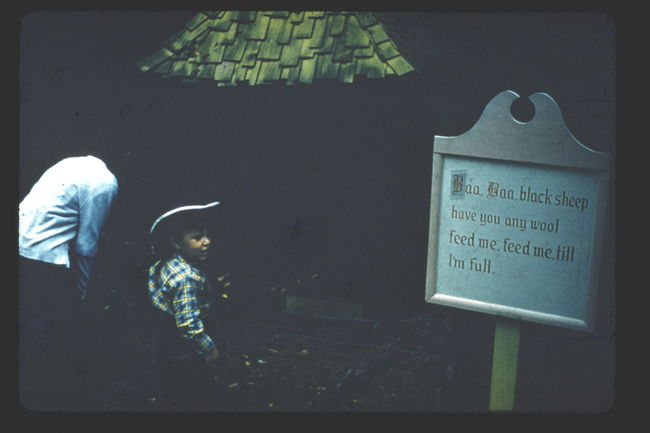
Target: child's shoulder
[(179, 268)]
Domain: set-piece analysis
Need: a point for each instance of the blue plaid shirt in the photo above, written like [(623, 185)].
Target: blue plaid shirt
[(175, 287)]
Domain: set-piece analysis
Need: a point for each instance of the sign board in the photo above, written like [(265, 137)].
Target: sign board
[(517, 214)]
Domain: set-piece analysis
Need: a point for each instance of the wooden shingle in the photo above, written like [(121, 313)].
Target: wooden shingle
[(378, 34), (387, 50), (198, 31), (175, 42), (240, 73), (245, 17), (163, 69), (209, 47), (327, 45), (346, 72), (280, 30), (269, 50), (325, 67), (227, 37), (205, 71), (307, 71), (315, 14), (277, 14), (371, 67), (296, 17), (261, 47), (366, 19), (154, 60), (215, 54), (270, 71), (224, 70), (364, 52), (337, 25), (212, 14), (250, 54), (291, 53), (342, 53), (182, 69), (252, 74), (223, 22), (255, 32), (194, 22), (234, 52), (304, 30), (306, 52), (355, 36), (318, 36), (290, 75), (400, 65)]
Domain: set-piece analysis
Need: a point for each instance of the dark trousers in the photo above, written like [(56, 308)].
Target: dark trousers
[(49, 316), (187, 382)]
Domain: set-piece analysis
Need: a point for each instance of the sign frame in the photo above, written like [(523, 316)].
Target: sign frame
[(542, 142)]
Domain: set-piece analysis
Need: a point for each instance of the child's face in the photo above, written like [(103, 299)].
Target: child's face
[(193, 245)]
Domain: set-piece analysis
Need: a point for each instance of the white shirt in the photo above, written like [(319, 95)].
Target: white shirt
[(69, 202)]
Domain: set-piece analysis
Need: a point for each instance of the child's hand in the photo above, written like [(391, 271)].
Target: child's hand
[(212, 355)]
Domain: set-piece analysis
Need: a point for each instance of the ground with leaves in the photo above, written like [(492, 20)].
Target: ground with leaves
[(291, 363), (429, 359)]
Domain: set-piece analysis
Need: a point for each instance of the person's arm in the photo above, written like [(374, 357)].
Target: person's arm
[(187, 314), (92, 216), (93, 212), (82, 268)]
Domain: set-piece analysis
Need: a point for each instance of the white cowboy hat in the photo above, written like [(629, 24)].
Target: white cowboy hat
[(181, 209)]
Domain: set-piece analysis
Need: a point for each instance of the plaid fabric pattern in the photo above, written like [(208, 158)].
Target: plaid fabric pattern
[(175, 287)]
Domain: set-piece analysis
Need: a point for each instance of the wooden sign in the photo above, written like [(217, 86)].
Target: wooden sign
[(517, 215)]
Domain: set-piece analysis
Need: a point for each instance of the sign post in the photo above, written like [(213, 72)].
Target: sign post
[(505, 357), (516, 226)]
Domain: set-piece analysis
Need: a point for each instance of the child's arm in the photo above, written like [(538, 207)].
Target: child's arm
[(187, 313)]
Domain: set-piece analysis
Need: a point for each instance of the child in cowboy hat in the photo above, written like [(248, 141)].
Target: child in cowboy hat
[(178, 288)]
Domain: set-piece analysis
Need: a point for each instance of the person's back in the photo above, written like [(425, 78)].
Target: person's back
[(71, 199)]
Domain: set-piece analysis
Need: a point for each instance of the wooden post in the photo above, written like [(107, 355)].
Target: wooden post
[(504, 366)]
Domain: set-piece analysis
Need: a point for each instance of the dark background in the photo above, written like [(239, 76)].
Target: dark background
[(324, 187)]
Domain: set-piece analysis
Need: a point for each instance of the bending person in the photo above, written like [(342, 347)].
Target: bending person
[(60, 222)]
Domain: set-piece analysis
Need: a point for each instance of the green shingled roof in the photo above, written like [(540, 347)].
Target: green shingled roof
[(261, 47)]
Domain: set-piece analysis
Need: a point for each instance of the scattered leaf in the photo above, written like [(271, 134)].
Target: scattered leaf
[(261, 361), (304, 352), (247, 363), (233, 385), (227, 284), (221, 278), (107, 307), (224, 295), (271, 404), (272, 350)]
